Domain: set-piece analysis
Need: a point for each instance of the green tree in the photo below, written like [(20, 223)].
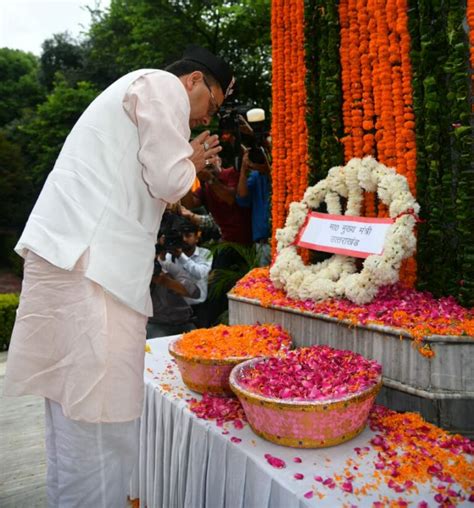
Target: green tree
[(152, 33), (45, 131), (19, 85), (61, 53), (16, 190)]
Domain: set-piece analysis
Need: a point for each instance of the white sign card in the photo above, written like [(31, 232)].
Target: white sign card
[(343, 234)]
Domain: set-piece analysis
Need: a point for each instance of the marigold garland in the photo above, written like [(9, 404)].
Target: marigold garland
[(289, 131), (470, 22), (377, 96)]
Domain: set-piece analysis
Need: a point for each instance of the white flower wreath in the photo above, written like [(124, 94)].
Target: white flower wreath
[(336, 277)]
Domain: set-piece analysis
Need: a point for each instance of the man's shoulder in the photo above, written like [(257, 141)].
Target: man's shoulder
[(158, 81)]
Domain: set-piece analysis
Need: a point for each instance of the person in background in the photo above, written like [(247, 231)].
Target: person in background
[(217, 193), (197, 263), (253, 191), (89, 250), (171, 313)]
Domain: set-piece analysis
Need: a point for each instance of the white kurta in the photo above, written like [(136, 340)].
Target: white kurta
[(79, 336)]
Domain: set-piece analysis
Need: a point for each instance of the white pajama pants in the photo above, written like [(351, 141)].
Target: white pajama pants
[(89, 464)]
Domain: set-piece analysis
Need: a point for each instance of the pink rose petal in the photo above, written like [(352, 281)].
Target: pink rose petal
[(298, 476), (238, 424), (347, 487), (275, 461)]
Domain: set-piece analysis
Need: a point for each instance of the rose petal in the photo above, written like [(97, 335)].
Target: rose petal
[(347, 487), (275, 461)]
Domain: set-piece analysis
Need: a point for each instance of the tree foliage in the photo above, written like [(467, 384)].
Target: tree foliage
[(46, 131), (16, 190), (41, 99), (152, 33), (19, 85), (61, 53)]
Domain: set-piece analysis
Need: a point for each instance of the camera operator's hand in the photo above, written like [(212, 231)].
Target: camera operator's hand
[(187, 214), (175, 253), (246, 164), (206, 148), (244, 126)]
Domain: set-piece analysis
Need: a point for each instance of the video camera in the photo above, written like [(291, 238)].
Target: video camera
[(247, 126)]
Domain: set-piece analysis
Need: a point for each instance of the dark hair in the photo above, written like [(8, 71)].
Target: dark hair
[(183, 67), (189, 227)]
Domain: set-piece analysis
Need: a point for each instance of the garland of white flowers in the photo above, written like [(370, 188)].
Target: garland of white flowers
[(336, 277)]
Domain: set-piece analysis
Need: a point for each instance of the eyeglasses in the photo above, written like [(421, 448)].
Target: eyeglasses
[(214, 104)]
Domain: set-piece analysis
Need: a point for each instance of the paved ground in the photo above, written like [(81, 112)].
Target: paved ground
[(22, 463)]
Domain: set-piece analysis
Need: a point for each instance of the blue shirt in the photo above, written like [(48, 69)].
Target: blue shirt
[(258, 199)]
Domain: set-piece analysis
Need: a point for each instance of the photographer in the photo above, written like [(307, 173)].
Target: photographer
[(253, 191), (217, 194), (195, 261), (171, 313)]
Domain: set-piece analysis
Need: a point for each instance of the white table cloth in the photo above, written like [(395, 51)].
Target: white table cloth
[(186, 461)]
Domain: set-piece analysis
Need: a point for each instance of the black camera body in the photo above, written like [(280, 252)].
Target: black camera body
[(171, 233), (251, 135), (173, 240)]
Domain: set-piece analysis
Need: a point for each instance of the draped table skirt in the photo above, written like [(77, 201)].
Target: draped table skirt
[(190, 462)]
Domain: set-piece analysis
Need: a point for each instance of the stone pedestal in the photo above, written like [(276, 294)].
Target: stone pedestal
[(440, 388)]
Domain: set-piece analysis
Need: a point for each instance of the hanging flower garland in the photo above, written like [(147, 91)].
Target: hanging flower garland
[(347, 140), (470, 22), (323, 88), (376, 83), (278, 150), (289, 131), (336, 276)]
